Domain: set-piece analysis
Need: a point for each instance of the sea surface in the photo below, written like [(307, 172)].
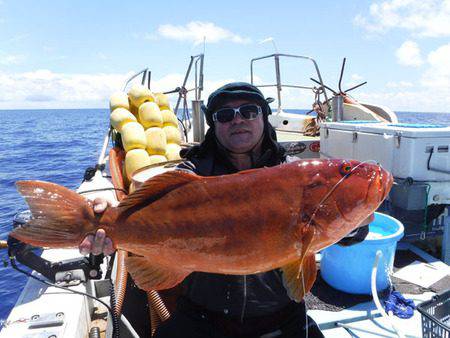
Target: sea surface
[(57, 146)]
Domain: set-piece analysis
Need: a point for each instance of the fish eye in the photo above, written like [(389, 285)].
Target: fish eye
[(345, 168)]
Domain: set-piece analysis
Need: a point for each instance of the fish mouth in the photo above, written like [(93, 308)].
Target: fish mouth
[(387, 186), (385, 178)]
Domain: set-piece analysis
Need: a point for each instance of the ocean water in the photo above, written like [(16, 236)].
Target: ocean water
[(57, 146)]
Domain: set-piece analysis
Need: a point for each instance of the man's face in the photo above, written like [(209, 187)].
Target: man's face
[(239, 135)]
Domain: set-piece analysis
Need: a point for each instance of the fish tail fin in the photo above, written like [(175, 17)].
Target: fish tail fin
[(60, 217)]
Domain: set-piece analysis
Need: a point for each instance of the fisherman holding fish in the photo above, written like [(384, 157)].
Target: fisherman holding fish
[(240, 137)]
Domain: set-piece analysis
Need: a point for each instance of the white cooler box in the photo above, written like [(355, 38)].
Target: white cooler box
[(418, 151)]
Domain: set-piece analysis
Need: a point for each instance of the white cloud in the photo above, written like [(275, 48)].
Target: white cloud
[(399, 84), (430, 18), (414, 100), (7, 60), (430, 93), (46, 89), (440, 58), (437, 77), (409, 54), (355, 79), (196, 31)]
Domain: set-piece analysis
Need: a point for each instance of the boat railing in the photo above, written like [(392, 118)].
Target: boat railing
[(198, 118), (146, 74), (196, 61), (196, 66), (279, 85)]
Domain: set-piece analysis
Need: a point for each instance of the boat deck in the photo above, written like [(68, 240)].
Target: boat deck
[(44, 311), (364, 320)]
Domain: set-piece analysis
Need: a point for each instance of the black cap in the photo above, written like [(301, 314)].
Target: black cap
[(235, 91)]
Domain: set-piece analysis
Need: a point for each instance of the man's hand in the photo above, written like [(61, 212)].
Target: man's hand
[(99, 243)]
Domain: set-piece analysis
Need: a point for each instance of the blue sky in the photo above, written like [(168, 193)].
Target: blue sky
[(74, 54)]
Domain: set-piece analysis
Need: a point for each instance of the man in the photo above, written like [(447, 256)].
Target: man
[(240, 137)]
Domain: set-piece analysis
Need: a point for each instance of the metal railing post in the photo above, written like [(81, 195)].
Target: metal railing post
[(278, 75), (337, 108), (198, 120)]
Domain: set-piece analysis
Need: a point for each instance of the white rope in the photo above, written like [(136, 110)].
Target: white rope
[(376, 300), (306, 309)]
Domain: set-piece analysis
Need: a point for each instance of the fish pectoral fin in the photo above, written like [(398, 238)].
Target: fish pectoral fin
[(299, 277), (156, 187), (149, 276)]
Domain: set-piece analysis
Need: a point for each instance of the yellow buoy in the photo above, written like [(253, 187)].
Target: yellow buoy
[(173, 151), (162, 100), (119, 117), (156, 141), (157, 159), (134, 110), (126, 181), (150, 115), (139, 94), (169, 118), (172, 134), (119, 100), (134, 160), (133, 136)]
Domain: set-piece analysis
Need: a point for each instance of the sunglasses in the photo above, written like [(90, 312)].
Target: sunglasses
[(246, 111)]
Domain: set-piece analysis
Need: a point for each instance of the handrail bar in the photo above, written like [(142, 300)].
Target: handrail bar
[(279, 85), (198, 79), (144, 71)]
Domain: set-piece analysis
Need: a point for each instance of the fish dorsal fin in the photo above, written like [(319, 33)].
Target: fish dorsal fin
[(156, 187), (149, 276), (299, 275)]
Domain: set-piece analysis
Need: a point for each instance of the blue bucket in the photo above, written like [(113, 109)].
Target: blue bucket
[(349, 269)]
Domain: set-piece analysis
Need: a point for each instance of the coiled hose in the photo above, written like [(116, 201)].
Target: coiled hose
[(114, 314), (155, 321), (94, 332), (158, 310), (121, 280)]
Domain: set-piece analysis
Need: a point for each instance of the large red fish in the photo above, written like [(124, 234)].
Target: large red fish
[(249, 222)]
